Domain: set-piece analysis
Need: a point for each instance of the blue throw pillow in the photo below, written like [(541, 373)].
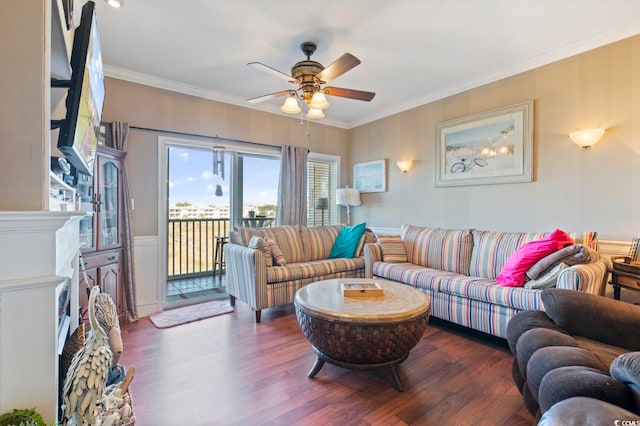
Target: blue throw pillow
[(347, 241)]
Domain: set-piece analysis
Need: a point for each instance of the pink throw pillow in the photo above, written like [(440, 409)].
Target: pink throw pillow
[(514, 270)]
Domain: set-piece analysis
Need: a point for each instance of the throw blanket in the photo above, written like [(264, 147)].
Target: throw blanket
[(570, 255)]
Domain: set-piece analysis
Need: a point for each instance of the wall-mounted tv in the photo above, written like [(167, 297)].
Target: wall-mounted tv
[(79, 130)]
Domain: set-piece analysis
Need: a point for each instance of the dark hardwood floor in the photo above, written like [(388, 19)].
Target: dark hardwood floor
[(227, 370)]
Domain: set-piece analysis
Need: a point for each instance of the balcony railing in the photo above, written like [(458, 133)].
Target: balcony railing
[(191, 243)]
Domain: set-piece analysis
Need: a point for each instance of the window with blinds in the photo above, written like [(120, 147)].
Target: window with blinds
[(322, 182)]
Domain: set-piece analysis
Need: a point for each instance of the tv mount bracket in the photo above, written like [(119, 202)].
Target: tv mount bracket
[(59, 84)]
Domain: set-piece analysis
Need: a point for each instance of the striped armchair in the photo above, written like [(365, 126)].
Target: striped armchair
[(458, 269), (253, 278)]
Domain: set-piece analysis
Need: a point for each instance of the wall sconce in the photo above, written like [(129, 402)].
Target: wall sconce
[(586, 138), (404, 165), (348, 197), (116, 3)]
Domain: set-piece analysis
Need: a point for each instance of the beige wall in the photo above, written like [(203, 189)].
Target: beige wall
[(574, 189), (24, 119), (149, 107)]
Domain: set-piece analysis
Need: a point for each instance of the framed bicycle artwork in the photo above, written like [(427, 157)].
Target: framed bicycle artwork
[(492, 147), (370, 176)]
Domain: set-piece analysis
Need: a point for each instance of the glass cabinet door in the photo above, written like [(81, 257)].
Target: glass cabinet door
[(109, 208), (87, 196)]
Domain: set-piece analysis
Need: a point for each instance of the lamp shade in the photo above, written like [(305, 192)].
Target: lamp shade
[(586, 138), (404, 165), (315, 113), (322, 203), (290, 105), (319, 101), (347, 197)]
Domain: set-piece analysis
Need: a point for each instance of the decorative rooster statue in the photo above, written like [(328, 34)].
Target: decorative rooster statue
[(87, 374)]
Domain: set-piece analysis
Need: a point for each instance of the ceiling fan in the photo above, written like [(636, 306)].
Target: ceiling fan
[(311, 76)]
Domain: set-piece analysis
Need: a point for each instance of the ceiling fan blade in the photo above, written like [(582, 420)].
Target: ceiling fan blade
[(272, 71), (338, 67), (359, 95), (268, 97)]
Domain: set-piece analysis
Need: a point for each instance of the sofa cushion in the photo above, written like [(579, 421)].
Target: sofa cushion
[(289, 241), (492, 249), (295, 271), (313, 269), (444, 249), (488, 290), (368, 237), (393, 250), (317, 241), (564, 382), (242, 236), (336, 266), (514, 270), (276, 253), (261, 244), (347, 241), (414, 275)]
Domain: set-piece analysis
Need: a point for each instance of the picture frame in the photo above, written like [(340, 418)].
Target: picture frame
[(492, 147), (370, 176)]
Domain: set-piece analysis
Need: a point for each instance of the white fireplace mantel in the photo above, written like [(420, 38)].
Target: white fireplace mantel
[(38, 253)]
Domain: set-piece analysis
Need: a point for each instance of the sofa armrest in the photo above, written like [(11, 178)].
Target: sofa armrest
[(586, 277), (372, 254), (594, 317), (246, 274), (581, 410)]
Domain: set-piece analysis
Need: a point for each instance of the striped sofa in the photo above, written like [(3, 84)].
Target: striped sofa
[(252, 277), (458, 268)]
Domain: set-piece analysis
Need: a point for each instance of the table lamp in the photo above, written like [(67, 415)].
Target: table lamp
[(348, 197)]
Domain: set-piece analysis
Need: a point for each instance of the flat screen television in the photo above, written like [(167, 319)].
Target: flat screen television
[(78, 137)]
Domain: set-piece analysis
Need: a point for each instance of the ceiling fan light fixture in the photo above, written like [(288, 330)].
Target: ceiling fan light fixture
[(315, 113), (319, 101), (290, 105)]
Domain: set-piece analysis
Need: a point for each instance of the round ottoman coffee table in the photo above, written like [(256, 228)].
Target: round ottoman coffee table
[(361, 333)]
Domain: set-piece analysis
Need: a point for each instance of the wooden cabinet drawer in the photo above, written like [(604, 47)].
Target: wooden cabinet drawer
[(99, 259)]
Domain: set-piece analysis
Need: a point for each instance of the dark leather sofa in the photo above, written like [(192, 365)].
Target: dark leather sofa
[(574, 348)]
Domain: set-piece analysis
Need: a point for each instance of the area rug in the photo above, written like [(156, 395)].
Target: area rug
[(179, 316)]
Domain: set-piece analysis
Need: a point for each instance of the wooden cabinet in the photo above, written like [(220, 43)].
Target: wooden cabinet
[(101, 231)]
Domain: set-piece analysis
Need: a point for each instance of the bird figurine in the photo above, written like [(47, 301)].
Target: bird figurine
[(87, 375), (107, 316)]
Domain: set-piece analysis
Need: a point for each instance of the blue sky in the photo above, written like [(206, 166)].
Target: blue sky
[(191, 179)]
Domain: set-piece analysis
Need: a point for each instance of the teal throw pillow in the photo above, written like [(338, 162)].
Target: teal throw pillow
[(347, 241)]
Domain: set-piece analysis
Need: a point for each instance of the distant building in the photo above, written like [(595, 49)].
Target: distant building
[(207, 212)]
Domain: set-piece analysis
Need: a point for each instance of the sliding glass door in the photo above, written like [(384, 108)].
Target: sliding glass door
[(197, 216), (256, 194)]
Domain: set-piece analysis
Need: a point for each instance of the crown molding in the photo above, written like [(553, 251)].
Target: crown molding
[(187, 89)]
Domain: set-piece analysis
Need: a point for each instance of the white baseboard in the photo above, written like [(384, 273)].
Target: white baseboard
[(146, 310), (148, 293)]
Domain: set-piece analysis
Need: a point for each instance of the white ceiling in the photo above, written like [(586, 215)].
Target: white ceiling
[(412, 51)]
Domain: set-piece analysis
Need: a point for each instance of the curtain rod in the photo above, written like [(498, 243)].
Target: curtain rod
[(197, 135)]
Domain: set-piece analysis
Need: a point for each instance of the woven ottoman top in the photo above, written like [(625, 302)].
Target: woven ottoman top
[(399, 302)]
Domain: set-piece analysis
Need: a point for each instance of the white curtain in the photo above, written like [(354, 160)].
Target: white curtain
[(119, 139), (292, 186)]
